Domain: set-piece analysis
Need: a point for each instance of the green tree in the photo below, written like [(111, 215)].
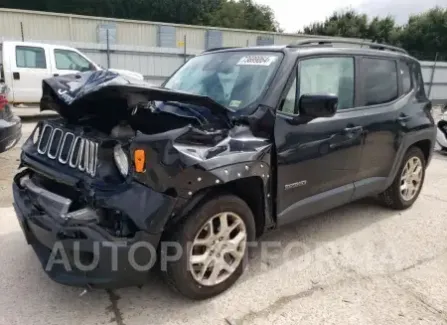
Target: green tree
[(383, 30), (352, 24), (224, 13), (244, 14), (343, 24), (426, 34), (423, 36)]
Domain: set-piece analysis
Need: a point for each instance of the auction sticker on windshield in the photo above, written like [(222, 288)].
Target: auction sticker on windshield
[(264, 60)]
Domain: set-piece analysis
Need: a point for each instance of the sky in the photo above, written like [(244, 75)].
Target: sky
[(294, 15)]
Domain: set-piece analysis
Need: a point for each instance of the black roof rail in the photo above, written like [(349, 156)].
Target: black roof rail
[(220, 48), (330, 41)]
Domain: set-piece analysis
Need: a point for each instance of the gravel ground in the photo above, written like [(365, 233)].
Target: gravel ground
[(358, 264)]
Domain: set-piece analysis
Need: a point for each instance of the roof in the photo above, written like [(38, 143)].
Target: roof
[(314, 46)]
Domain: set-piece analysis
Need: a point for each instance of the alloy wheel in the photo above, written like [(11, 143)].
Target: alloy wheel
[(218, 249), (411, 178)]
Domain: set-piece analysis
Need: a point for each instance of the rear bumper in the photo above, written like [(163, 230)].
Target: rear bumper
[(82, 253), (10, 133)]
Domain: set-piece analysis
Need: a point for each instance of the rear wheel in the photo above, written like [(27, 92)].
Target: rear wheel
[(214, 238), (408, 182)]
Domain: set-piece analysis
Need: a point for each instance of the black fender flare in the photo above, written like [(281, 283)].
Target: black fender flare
[(409, 140), (200, 183)]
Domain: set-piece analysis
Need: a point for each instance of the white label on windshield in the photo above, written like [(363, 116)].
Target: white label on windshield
[(235, 103), (263, 60)]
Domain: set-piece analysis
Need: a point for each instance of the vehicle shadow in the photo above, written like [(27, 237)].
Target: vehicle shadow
[(306, 237), (43, 295), (30, 297)]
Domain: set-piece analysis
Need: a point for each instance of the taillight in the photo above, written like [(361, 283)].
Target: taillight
[(3, 101)]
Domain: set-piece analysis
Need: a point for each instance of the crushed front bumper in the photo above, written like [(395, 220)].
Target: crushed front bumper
[(82, 253)]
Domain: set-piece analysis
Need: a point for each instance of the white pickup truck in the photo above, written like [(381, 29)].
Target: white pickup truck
[(23, 66)]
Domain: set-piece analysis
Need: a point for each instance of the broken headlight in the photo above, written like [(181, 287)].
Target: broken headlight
[(121, 160)]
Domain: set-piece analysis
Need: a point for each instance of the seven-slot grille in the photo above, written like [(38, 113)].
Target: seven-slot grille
[(68, 148)]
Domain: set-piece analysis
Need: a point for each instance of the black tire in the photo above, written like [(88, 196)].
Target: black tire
[(392, 196), (176, 273)]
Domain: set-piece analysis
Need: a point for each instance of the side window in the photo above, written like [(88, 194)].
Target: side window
[(333, 75), (30, 57), (69, 60), (380, 81), (407, 80), (290, 101)]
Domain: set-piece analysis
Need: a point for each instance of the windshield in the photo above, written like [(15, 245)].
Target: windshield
[(233, 79)]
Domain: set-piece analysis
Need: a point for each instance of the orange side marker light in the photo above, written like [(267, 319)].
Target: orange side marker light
[(140, 158)]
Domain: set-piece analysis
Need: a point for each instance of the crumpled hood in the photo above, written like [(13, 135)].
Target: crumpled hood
[(101, 93), (128, 73)]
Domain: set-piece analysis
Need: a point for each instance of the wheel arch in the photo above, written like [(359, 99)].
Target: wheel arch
[(249, 181), (423, 139), (425, 146)]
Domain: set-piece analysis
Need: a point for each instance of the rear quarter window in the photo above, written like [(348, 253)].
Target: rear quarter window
[(418, 80)]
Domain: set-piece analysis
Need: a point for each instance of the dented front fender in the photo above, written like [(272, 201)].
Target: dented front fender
[(186, 160)]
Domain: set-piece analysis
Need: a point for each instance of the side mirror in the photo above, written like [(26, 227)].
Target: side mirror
[(314, 106), (91, 67)]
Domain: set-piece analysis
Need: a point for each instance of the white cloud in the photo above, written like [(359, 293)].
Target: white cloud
[(294, 15), (399, 9)]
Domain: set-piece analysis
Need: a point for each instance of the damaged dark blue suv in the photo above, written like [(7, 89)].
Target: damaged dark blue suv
[(238, 141)]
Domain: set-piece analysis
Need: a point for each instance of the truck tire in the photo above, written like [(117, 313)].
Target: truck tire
[(408, 182), (214, 238)]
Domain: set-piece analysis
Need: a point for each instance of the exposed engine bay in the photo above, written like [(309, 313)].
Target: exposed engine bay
[(103, 99)]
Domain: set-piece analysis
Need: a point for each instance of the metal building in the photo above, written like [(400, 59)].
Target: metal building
[(154, 49), (84, 29)]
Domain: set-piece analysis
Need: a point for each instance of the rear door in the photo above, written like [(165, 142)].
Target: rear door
[(382, 107), (29, 67), (66, 61), (318, 160)]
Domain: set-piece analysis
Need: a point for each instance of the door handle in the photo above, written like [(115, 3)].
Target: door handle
[(349, 136), (403, 118), (352, 129), (16, 75), (56, 74)]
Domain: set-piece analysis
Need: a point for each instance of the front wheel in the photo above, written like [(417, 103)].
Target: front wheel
[(214, 240), (408, 182)]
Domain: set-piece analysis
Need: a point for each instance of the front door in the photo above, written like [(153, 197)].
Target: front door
[(29, 69), (318, 159)]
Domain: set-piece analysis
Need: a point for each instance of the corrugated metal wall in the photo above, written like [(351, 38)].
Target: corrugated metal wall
[(435, 78), (74, 28), (154, 49), (34, 25)]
